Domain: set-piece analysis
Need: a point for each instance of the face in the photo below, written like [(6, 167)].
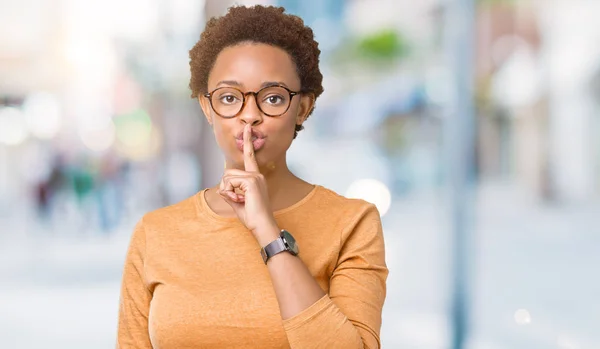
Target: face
[(249, 67)]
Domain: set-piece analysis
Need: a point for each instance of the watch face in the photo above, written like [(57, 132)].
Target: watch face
[(290, 241)]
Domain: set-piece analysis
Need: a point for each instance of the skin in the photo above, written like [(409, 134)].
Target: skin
[(256, 183)]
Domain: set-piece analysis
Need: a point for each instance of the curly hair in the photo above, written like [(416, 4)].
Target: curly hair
[(259, 24)]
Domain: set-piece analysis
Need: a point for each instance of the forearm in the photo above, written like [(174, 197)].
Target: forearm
[(296, 289)]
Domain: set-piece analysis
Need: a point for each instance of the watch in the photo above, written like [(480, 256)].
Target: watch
[(285, 242)]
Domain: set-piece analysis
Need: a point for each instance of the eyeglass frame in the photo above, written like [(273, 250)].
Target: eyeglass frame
[(255, 94)]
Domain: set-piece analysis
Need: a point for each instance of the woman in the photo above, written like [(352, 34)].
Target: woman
[(263, 259)]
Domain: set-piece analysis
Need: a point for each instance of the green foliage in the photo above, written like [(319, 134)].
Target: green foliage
[(385, 44), (378, 50)]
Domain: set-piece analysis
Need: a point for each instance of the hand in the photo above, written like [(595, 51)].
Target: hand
[(246, 192)]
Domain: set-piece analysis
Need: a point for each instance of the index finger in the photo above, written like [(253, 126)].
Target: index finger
[(250, 164)]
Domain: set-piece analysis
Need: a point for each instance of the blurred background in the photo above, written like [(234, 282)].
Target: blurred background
[(473, 126)]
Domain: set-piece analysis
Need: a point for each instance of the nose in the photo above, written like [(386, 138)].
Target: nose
[(250, 114)]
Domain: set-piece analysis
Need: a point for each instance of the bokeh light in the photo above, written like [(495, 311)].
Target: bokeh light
[(13, 130), (98, 139), (137, 138), (134, 129), (522, 317), (42, 113), (372, 191)]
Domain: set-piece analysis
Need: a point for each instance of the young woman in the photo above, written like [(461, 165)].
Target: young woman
[(263, 259)]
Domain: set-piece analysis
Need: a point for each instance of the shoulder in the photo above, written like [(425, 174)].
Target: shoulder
[(172, 214), (352, 209), (358, 220)]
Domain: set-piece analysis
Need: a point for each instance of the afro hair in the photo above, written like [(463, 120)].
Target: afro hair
[(258, 24)]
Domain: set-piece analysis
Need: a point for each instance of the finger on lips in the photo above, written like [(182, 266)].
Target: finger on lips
[(227, 189), (249, 160)]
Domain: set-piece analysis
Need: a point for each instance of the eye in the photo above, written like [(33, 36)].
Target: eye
[(274, 99), (228, 99)]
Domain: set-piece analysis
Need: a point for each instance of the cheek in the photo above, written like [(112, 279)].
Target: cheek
[(292, 115), (286, 128), (286, 132), (220, 132)]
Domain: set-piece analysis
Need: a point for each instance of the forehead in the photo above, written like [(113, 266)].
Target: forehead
[(251, 64)]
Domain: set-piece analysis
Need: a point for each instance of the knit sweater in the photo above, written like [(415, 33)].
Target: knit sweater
[(194, 279)]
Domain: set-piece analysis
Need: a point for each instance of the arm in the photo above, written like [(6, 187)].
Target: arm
[(135, 297), (295, 287), (350, 316)]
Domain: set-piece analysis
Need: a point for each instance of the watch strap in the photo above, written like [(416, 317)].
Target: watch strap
[(274, 247)]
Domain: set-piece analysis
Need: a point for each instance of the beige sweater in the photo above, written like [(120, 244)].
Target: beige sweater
[(193, 279)]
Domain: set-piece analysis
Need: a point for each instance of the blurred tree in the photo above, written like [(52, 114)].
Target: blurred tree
[(377, 50), (385, 44)]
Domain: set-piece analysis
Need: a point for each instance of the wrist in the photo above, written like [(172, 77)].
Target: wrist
[(266, 234)]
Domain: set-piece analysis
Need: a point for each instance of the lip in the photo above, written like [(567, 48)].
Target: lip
[(258, 143), (255, 133)]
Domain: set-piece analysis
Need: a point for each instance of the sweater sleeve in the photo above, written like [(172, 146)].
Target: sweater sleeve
[(350, 315), (135, 297)]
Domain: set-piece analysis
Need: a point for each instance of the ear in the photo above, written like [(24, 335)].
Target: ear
[(206, 108), (307, 103)]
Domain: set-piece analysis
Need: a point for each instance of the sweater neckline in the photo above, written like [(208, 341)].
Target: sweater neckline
[(201, 199)]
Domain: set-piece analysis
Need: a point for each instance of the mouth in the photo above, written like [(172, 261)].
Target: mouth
[(257, 143), (255, 134), (258, 140)]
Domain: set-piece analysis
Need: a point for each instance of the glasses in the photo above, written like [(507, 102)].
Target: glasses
[(228, 102)]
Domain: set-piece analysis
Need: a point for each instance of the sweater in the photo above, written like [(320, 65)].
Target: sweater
[(194, 279)]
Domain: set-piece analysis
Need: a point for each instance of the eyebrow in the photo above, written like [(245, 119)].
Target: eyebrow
[(263, 85), (230, 82), (273, 83)]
